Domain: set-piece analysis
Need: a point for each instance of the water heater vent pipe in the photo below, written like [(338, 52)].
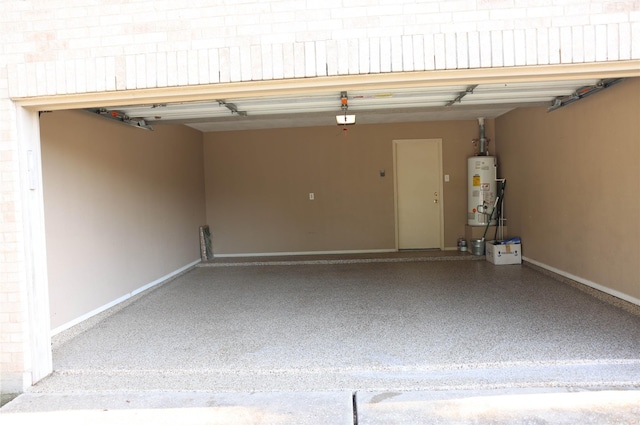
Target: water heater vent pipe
[(483, 139)]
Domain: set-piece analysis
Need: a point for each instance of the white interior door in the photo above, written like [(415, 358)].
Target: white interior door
[(418, 193)]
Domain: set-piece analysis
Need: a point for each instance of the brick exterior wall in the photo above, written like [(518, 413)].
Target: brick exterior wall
[(14, 350), (56, 47), (62, 47)]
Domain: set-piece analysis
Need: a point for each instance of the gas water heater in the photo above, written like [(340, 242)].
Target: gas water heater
[(482, 185), (481, 172)]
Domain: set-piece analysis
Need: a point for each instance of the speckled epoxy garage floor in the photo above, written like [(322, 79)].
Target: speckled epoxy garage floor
[(371, 326)]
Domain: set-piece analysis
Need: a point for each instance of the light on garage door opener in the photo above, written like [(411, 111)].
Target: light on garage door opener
[(344, 105)]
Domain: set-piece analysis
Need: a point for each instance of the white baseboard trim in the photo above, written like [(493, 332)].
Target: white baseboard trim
[(586, 282), (283, 254), (123, 298)]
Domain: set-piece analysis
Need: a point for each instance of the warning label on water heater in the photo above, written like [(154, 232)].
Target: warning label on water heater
[(476, 180)]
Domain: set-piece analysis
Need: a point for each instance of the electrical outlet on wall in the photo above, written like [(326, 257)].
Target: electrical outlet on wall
[(312, 196)]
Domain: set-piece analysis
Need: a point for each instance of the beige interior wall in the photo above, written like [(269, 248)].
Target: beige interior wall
[(573, 180), (258, 185), (122, 207)]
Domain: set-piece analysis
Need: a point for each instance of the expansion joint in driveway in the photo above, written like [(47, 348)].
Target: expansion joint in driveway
[(354, 404)]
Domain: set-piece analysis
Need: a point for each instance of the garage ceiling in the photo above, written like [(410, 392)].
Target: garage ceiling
[(453, 102)]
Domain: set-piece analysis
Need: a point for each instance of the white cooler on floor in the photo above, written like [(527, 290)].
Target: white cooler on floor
[(498, 253)]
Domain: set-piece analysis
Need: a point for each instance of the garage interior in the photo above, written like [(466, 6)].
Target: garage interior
[(141, 195), (123, 207)]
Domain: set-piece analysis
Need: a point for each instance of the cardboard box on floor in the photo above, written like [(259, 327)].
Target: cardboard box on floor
[(503, 254)]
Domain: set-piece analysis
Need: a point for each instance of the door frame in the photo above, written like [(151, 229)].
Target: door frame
[(395, 144)]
